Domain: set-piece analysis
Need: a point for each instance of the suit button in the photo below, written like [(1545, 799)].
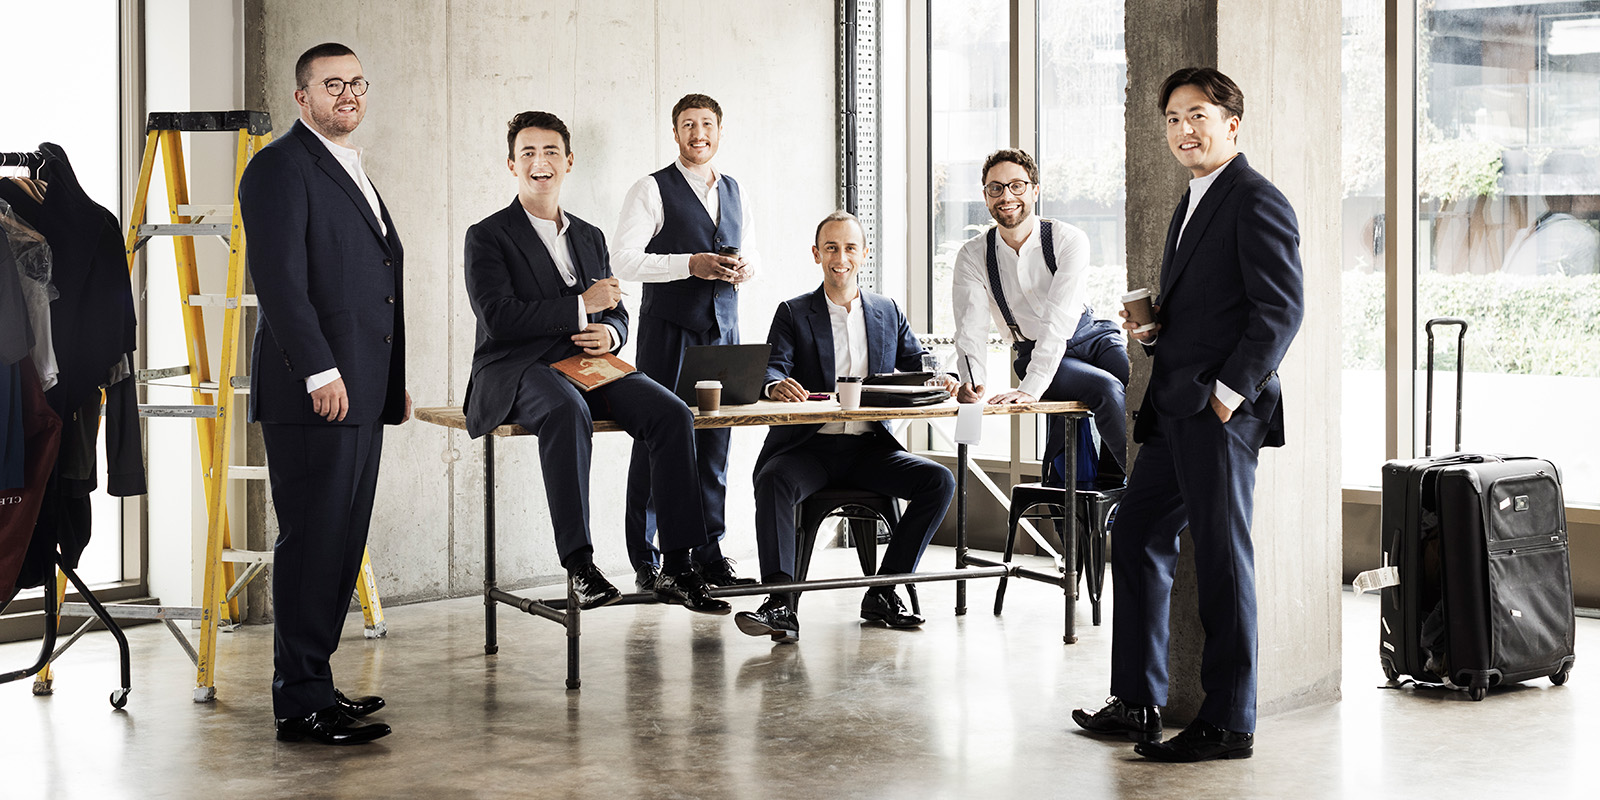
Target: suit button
[(388, 338), (388, 262), (389, 299)]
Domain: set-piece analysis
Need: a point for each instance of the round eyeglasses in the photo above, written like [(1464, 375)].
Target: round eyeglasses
[(335, 86), (996, 188)]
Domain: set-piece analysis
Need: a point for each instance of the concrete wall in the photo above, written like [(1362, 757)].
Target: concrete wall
[(1285, 56), (446, 77)]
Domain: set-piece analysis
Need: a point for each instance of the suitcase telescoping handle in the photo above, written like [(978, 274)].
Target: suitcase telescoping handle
[(1461, 345)]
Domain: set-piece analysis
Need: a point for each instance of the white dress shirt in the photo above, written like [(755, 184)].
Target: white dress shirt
[(350, 159), (1046, 307), (643, 216), (1197, 190), (849, 354), (554, 235)]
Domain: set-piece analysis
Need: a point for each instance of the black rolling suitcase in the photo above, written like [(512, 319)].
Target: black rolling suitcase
[(1480, 544)]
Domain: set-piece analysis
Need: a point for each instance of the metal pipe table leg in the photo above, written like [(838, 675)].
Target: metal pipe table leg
[(1069, 532), (961, 526), (491, 643), (573, 632)]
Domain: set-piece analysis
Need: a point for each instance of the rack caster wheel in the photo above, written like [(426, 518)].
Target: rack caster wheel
[(1560, 677), (119, 698)]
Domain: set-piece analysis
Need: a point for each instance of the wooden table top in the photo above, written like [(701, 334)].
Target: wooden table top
[(772, 412)]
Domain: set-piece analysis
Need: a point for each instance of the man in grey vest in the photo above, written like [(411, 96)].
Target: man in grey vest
[(683, 233)]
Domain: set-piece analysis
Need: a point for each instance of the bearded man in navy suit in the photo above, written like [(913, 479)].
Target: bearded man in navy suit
[(839, 329), (327, 372), (1230, 303), (540, 283)]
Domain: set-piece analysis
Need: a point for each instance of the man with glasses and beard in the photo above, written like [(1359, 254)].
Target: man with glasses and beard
[(1027, 275)]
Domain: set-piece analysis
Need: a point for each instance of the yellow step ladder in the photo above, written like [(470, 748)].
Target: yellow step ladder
[(213, 397)]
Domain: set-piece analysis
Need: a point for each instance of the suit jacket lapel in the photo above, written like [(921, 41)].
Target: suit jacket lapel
[(822, 337), (335, 171), (880, 338), (533, 250), (1202, 217)]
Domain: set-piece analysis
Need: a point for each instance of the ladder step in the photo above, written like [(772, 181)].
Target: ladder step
[(188, 412), (243, 473), (205, 211), (147, 375), (220, 300), (132, 611), (187, 229), (246, 556), (258, 123)]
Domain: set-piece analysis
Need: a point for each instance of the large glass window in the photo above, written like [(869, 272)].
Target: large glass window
[(1508, 133), (1079, 83)]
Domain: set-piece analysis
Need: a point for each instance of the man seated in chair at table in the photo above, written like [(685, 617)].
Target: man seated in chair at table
[(839, 330), (540, 284)]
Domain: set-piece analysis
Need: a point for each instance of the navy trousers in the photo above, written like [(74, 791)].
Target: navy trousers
[(1198, 473), (323, 480), (870, 461), (1093, 372), (662, 427), (660, 355)]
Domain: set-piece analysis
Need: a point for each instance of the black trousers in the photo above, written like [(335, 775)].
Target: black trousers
[(872, 461), (323, 481), (662, 428), (660, 355)]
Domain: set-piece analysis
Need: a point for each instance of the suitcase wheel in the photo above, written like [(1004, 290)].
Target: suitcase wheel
[(1560, 677), (1393, 674), (1478, 692)]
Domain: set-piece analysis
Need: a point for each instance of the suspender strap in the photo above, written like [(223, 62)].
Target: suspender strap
[(1047, 242)]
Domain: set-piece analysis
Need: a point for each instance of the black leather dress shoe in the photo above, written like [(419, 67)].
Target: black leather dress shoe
[(720, 573), (645, 577), (774, 618), (1201, 741), (330, 726), (882, 605), (1139, 723), (591, 587), (690, 591), (357, 707)]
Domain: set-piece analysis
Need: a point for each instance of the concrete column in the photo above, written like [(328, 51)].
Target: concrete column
[(1285, 57)]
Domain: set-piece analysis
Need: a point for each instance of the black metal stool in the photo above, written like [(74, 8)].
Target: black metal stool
[(862, 511), (1095, 507)]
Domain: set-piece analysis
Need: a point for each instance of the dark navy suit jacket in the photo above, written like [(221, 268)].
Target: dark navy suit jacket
[(329, 285), (1230, 302), (802, 348), (523, 307)]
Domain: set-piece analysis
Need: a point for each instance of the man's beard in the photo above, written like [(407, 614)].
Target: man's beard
[(333, 123)]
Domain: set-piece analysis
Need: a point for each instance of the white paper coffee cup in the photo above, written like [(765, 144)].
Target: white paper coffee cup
[(849, 389)]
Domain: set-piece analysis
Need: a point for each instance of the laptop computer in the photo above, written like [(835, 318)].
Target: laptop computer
[(742, 368)]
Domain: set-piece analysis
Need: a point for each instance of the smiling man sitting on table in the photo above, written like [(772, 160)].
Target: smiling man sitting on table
[(839, 329), (540, 284)]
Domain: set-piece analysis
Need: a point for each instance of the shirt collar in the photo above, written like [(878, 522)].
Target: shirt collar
[(694, 179), (550, 227), (854, 306), (1198, 186), (1031, 242), (338, 150)]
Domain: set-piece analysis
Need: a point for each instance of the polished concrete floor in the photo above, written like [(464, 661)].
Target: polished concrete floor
[(676, 705)]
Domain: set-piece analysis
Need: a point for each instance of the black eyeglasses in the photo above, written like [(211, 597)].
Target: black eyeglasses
[(996, 188), (335, 86)]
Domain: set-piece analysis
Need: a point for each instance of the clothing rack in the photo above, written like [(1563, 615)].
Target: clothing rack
[(55, 588), (32, 160)]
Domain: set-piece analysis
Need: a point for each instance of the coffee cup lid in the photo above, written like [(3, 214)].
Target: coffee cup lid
[(849, 379), (1136, 294), (708, 384)]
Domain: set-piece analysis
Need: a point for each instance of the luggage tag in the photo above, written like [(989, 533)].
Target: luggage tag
[(1375, 579)]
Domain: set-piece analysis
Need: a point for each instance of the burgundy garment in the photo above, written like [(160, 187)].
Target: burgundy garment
[(20, 508)]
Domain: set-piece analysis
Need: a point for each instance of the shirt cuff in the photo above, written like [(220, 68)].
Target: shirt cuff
[(1229, 397), (321, 379), (616, 341), (583, 319), (766, 391)]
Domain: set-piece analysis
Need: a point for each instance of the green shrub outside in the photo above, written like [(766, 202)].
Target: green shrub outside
[(1519, 325)]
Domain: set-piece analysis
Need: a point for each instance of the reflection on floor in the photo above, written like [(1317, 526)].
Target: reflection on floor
[(676, 705)]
